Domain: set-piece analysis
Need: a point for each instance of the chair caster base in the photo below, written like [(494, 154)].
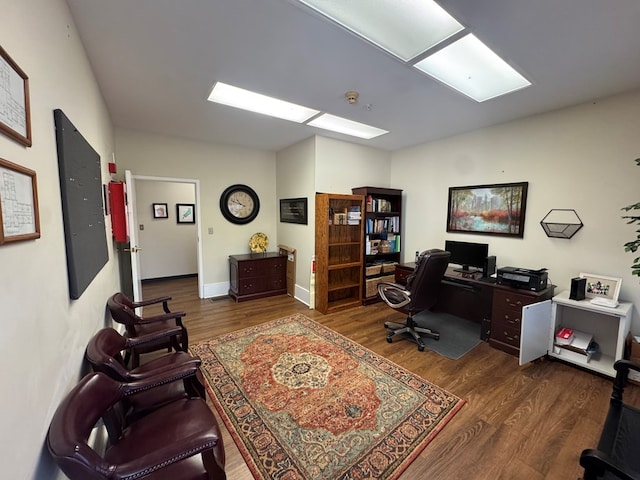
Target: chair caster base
[(389, 338), (421, 348)]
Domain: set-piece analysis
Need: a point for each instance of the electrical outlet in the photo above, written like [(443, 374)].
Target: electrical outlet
[(141, 227)]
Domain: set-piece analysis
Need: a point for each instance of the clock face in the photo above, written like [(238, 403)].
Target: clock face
[(239, 204)]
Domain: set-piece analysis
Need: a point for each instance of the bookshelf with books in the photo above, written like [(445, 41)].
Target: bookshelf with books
[(339, 251), (382, 219)]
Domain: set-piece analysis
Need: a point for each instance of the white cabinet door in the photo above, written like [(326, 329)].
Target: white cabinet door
[(534, 331)]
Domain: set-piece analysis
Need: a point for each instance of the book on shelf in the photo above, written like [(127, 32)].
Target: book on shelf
[(382, 225), (564, 336), (377, 204), (581, 342)]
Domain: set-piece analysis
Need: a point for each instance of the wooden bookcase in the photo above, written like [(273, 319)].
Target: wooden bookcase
[(382, 221), (339, 251)]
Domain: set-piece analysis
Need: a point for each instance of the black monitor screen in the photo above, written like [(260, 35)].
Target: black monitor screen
[(467, 254)]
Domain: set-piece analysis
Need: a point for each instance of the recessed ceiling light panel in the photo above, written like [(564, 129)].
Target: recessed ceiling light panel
[(255, 102), (472, 68), (404, 28), (348, 127)]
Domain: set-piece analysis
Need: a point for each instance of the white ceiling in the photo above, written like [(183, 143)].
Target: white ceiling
[(156, 62)]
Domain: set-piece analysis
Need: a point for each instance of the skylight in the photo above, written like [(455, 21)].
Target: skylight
[(348, 127), (404, 28), (255, 102), (473, 69), (412, 30)]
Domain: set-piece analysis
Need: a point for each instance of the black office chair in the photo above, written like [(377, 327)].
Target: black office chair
[(617, 453), (420, 294)]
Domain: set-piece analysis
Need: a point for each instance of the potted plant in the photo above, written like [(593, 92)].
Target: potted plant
[(633, 245)]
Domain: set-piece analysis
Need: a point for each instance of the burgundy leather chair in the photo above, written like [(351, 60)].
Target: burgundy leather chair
[(104, 354), (164, 331), (178, 441), (420, 294)]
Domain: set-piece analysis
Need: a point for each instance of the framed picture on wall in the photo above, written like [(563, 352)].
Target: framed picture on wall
[(496, 209), (15, 116), (185, 213), (293, 210), (160, 210), (20, 218)]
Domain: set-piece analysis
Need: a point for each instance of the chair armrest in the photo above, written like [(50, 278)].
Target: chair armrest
[(160, 378), (596, 462), (141, 340), (622, 368), (168, 362), (394, 294), (151, 301), (166, 316)]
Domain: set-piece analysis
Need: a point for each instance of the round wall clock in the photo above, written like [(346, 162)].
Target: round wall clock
[(239, 204)]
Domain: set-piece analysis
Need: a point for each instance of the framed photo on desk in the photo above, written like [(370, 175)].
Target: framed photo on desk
[(599, 286)]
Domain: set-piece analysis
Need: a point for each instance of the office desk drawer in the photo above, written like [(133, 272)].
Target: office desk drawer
[(507, 335), (506, 316)]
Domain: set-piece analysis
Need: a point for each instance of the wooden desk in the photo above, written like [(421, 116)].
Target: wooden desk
[(497, 308)]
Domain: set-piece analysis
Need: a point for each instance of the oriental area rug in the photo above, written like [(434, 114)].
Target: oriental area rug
[(303, 402)]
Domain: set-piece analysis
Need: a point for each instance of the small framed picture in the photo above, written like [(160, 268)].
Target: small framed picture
[(160, 210), (185, 213), (599, 286)]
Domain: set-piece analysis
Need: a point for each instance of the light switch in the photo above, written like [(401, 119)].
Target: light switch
[(141, 227), (210, 230)]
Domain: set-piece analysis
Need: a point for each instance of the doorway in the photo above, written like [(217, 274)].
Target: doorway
[(140, 243)]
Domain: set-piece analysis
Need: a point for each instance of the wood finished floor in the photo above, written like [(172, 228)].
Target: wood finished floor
[(527, 422)]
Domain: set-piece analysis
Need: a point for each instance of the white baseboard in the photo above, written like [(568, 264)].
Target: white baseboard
[(221, 289), (302, 295)]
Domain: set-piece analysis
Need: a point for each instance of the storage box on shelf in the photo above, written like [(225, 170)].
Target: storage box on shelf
[(382, 220), (339, 252)]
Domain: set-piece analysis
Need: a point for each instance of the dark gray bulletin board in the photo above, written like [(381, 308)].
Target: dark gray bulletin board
[(82, 209)]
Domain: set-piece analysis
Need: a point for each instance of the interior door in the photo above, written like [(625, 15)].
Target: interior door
[(132, 226), (535, 331)]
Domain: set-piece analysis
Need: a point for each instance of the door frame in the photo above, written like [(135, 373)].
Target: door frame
[(196, 184)]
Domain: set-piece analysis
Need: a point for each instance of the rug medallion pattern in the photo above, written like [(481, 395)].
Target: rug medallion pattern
[(304, 402)]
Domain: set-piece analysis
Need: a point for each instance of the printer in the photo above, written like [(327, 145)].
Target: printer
[(524, 278)]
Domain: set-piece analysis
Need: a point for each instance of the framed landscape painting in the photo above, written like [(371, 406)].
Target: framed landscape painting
[(497, 209)]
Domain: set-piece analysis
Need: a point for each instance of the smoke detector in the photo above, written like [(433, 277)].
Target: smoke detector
[(352, 97)]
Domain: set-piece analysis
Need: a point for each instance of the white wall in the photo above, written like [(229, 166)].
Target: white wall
[(168, 248), (45, 333), (295, 176), (580, 158), (217, 167), (341, 166)]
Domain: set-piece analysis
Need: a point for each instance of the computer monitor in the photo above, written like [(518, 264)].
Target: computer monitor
[(470, 256)]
